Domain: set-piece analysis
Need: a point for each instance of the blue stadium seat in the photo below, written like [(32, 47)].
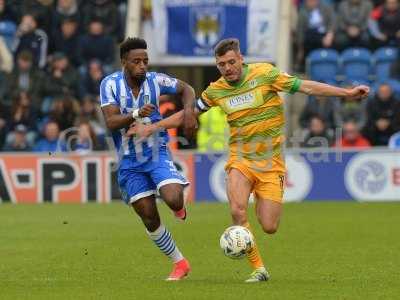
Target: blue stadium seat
[(356, 82), (384, 58), (323, 65), (357, 63), (7, 31), (394, 141)]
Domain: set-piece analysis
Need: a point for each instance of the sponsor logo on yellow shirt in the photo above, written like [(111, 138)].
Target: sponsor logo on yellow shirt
[(247, 100)]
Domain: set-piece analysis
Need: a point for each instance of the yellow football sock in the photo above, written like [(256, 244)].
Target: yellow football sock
[(253, 255)]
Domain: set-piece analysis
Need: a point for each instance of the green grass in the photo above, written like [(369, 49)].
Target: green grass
[(322, 251)]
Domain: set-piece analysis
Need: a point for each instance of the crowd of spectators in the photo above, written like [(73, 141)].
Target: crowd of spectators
[(53, 56), (341, 25), (346, 23)]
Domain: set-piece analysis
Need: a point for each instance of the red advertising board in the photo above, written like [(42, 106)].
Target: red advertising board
[(32, 178)]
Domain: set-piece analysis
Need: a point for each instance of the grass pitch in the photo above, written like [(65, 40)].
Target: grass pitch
[(322, 251)]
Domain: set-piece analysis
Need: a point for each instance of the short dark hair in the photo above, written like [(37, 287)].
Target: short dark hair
[(226, 45), (69, 19), (25, 55), (96, 20), (131, 44)]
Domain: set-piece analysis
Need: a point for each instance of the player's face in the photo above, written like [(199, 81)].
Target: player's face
[(136, 63), (230, 65)]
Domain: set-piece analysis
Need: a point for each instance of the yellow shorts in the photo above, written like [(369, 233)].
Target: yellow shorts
[(267, 185)]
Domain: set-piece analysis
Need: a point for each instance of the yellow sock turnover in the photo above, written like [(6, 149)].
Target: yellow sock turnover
[(253, 255)]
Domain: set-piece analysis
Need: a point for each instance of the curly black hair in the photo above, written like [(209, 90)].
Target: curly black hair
[(131, 44)]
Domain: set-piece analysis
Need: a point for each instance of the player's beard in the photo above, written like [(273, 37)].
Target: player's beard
[(233, 81), (236, 77), (140, 78)]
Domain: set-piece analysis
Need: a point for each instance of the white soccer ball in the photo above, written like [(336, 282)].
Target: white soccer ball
[(236, 241)]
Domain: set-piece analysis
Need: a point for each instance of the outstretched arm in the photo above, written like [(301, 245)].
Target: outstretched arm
[(315, 88), (173, 121)]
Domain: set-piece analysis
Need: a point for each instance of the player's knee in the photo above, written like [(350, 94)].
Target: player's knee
[(174, 198), (270, 227)]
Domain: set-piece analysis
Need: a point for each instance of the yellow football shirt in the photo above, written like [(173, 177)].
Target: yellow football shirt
[(254, 112)]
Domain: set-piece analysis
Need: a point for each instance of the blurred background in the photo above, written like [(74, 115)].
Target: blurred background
[(54, 54)]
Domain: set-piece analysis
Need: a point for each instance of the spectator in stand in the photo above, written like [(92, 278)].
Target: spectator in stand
[(92, 79), (62, 80), (90, 111), (383, 117), (317, 135), (67, 40), (351, 137), (315, 27), (30, 37), (384, 24), (50, 140), (350, 109), (41, 9), (19, 142), (97, 45), (321, 106), (86, 140), (26, 77), (105, 11), (65, 9), (23, 112), (352, 23), (64, 111)]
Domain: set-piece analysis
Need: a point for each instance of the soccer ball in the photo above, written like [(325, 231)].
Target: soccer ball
[(236, 241)]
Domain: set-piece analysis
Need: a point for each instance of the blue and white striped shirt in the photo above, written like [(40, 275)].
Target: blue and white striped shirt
[(114, 90)]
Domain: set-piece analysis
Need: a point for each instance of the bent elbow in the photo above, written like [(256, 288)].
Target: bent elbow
[(191, 91), (188, 90)]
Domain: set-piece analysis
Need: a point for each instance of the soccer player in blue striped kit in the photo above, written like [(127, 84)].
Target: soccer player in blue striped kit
[(145, 166)]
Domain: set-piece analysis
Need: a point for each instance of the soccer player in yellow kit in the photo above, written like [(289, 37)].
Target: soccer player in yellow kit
[(248, 94)]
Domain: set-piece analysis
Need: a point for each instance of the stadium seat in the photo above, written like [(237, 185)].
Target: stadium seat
[(355, 82), (323, 65), (357, 63), (394, 141), (384, 57), (7, 31)]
